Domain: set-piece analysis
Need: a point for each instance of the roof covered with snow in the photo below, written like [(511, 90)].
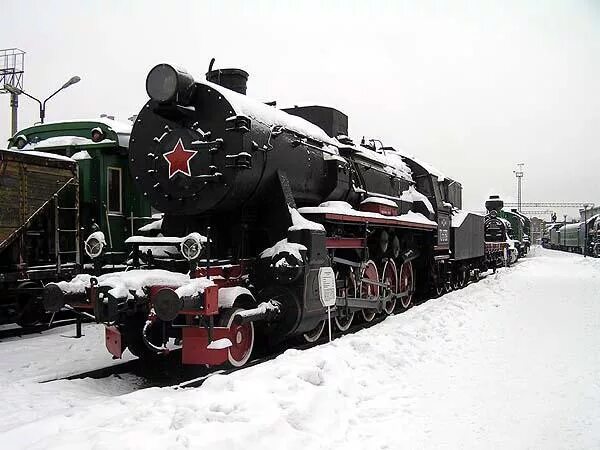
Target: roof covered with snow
[(337, 207), (270, 115), (70, 133), (459, 216), (42, 155)]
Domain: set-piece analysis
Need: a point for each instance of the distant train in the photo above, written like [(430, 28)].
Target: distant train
[(578, 237), (67, 204), (509, 227), (277, 214)]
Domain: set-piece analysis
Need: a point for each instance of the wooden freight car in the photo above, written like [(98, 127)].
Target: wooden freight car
[(39, 229)]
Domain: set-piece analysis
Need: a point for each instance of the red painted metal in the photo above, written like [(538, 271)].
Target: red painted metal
[(370, 291), (195, 341), (226, 271), (339, 242), (211, 301), (378, 221), (114, 341), (495, 246), (384, 210)]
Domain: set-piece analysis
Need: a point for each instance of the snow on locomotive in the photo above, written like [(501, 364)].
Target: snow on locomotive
[(278, 214)]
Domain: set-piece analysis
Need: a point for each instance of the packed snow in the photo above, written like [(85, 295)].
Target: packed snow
[(62, 141), (459, 216), (412, 195), (509, 362), (380, 201), (43, 155), (301, 223), (123, 283), (284, 246), (269, 115), (81, 156), (338, 207)]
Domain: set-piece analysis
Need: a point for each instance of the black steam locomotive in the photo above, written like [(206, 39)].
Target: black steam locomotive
[(278, 215)]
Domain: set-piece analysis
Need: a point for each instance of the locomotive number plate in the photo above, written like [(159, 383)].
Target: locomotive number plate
[(327, 286)]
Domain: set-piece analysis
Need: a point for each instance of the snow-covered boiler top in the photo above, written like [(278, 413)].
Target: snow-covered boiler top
[(198, 147)]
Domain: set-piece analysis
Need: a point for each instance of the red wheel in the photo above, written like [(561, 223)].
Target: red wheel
[(242, 338), (369, 291), (407, 284), (389, 276), (345, 316)]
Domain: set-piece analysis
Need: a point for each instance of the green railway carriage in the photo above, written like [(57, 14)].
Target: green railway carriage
[(108, 200), (68, 205), (520, 229)]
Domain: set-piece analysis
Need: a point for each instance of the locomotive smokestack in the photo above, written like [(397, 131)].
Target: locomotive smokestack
[(494, 203), (234, 79)]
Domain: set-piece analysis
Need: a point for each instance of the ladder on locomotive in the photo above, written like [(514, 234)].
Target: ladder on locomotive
[(69, 208)]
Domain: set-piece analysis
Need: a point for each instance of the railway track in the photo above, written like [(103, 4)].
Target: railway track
[(14, 330), (168, 371)]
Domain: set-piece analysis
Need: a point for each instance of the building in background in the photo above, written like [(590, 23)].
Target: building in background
[(589, 213), (538, 228)]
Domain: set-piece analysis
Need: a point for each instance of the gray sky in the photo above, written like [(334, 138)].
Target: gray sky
[(471, 87)]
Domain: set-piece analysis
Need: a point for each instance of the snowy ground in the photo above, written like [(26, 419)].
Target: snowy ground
[(510, 362)]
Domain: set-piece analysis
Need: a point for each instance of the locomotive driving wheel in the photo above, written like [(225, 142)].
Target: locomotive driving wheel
[(242, 338), (345, 316), (369, 291), (389, 276), (463, 277), (406, 283), (315, 334)]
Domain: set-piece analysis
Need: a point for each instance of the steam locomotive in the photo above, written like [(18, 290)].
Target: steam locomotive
[(500, 235), (276, 216)]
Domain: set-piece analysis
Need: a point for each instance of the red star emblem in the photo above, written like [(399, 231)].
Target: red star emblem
[(179, 159)]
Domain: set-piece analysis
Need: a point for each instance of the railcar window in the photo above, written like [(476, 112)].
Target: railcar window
[(115, 191)]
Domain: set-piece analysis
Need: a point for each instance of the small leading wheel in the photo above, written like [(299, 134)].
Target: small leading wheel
[(456, 281), (440, 289), (389, 276), (345, 316), (314, 334), (463, 278), (242, 338), (369, 291), (407, 284)]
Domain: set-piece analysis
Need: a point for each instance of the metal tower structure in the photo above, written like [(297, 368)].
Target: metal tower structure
[(12, 68), (519, 174)]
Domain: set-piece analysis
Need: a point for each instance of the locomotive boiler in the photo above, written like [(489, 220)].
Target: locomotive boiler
[(280, 215)]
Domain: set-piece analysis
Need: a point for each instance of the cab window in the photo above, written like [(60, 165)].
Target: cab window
[(115, 191)]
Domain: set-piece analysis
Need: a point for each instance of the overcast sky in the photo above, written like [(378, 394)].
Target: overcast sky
[(471, 87)]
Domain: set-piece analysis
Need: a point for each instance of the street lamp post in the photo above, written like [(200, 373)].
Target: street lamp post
[(16, 91), (519, 174)]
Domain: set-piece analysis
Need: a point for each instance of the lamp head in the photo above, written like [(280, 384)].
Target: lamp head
[(71, 81)]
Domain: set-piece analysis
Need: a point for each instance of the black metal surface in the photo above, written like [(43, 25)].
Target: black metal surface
[(467, 241), (330, 120)]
